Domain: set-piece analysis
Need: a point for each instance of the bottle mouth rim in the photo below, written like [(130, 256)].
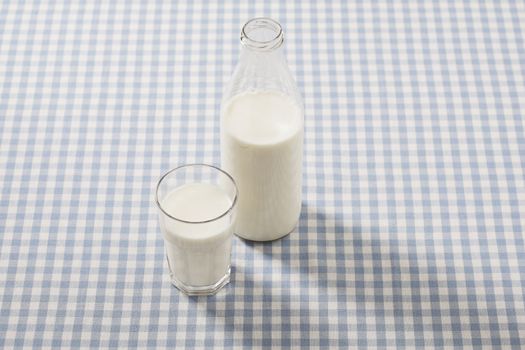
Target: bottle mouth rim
[(262, 45)]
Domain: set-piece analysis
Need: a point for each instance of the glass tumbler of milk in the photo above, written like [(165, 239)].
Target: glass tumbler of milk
[(197, 208), (262, 135)]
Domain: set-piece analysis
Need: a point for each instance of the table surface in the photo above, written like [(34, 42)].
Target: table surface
[(411, 232)]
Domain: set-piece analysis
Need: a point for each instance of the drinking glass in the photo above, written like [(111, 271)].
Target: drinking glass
[(197, 208)]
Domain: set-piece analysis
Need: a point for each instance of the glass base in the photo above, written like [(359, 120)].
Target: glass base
[(201, 290)]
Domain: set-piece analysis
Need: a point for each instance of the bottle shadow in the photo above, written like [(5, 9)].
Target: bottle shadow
[(330, 275)]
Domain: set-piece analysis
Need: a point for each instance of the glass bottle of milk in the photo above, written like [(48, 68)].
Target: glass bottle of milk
[(262, 135)]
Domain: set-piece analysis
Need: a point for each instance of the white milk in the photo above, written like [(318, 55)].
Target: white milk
[(262, 137), (198, 253)]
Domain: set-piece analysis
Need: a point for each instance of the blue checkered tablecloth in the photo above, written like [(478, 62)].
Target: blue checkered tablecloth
[(412, 229)]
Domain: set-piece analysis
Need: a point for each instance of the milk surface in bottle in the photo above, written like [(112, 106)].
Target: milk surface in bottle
[(262, 135)]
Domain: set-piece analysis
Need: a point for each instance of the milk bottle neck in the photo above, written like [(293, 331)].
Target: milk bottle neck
[(262, 65)]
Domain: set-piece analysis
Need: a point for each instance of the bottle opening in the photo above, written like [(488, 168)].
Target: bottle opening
[(262, 34)]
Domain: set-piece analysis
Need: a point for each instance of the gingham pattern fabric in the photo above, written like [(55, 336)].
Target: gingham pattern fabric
[(411, 233)]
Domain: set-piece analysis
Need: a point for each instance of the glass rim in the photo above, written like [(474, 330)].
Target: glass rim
[(230, 208), (262, 45)]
